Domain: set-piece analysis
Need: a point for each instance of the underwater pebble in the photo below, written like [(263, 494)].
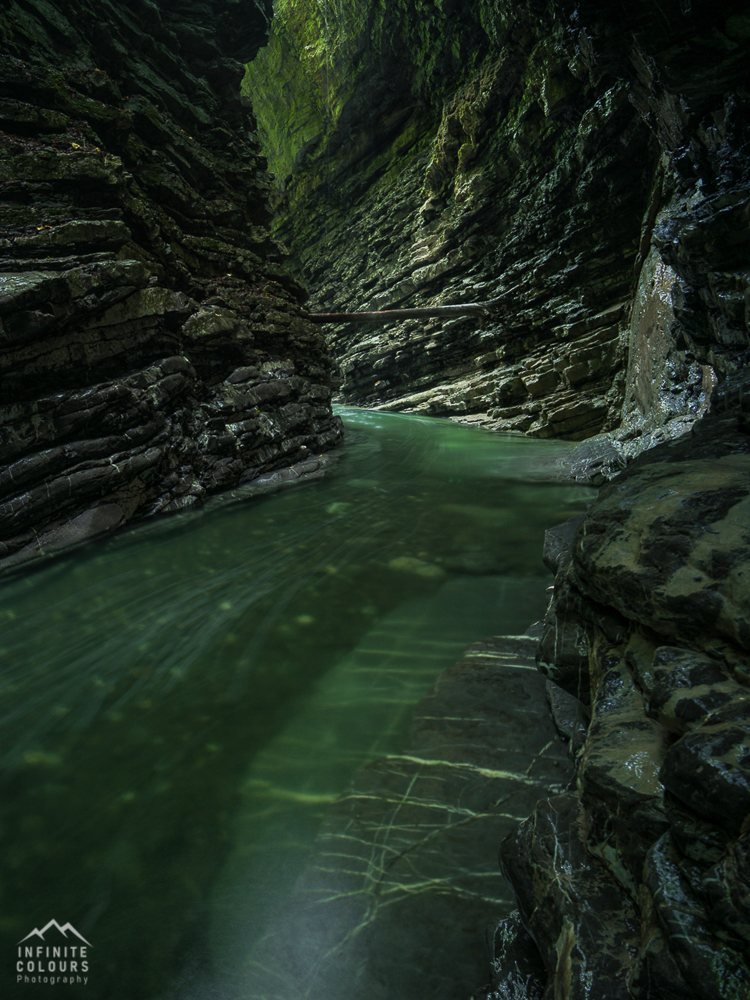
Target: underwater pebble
[(408, 564), (40, 758)]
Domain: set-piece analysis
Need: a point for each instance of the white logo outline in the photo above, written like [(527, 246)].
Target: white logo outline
[(63, 930)]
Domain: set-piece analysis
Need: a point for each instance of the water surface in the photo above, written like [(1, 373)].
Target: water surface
[(179, 704)]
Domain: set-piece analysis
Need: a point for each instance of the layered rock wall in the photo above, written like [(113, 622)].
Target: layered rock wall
[(635, 883), (586, 168), (154, 348), (558, 160)]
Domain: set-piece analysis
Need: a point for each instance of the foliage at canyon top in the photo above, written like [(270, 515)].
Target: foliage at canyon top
[(338, 74)]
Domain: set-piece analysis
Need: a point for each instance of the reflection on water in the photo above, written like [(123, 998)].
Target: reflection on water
[(177, 705)]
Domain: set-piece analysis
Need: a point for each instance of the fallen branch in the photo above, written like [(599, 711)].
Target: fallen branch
[(394, 315)]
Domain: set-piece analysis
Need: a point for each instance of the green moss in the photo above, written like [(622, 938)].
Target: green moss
[(302, 80), (323, 92), (322, 58)]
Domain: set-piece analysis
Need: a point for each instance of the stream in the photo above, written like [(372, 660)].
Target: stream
[(180, 703)]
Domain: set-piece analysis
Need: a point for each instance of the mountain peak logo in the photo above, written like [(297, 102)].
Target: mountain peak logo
[(55, 960), (63, 930)]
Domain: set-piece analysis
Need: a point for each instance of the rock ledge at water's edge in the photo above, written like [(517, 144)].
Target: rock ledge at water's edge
[(636, 882)]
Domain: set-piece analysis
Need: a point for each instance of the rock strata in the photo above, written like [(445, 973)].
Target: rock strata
[(635, 884), (583, 166), (154, 346)]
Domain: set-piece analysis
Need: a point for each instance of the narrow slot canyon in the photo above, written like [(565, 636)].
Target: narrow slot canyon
[(375, 660)]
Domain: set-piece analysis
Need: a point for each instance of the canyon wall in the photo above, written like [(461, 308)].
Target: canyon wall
[(154, 346), (634, 882), (560, 161), (582, 168)]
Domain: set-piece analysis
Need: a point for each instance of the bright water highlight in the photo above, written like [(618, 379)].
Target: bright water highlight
[(179, 704)]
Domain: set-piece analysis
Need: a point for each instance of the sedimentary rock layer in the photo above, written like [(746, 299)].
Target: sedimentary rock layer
[(635, 883), (154, 348), (585, 163)]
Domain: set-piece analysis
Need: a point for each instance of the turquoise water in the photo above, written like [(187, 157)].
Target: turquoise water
[(179, 704)]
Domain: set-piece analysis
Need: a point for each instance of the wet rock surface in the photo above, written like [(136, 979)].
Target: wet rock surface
[(582, 167), (404, 876), (154, 348), (584, 924), (635, 884)]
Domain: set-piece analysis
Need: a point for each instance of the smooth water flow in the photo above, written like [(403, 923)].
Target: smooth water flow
[(179, 704)]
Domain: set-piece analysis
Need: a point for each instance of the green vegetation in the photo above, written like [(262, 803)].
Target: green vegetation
[(329, 63), (301, 81), (350, 94)]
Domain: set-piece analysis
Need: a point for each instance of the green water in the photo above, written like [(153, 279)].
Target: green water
[(179, 703)]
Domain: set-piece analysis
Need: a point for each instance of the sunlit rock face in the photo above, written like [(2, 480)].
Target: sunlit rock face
[(154, 349), (586, 165)]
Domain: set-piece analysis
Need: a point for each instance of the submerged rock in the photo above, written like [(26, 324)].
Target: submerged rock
[(403, 877), (417, 567)]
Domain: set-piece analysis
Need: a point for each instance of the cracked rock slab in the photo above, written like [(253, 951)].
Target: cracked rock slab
[(404, 876)]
